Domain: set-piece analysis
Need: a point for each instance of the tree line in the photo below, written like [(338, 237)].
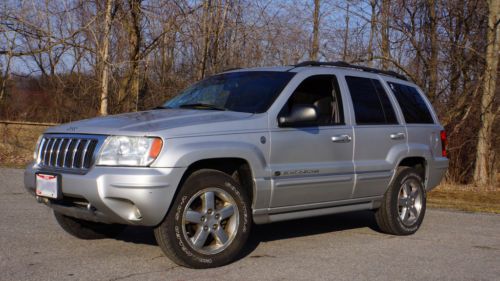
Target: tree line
[(64, 60)]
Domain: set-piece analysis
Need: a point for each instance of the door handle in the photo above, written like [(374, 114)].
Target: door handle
[(341, 138), (397, 136)]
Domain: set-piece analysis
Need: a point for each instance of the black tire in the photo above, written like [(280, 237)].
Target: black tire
[(86, 229), (389, 215), (173, 233)]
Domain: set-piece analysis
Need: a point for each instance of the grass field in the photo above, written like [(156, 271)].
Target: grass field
[(18, 142), (466, 198)]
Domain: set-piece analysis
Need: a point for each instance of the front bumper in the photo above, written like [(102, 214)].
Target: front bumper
[(125, 195)]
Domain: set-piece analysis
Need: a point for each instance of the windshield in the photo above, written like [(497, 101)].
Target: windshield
[(251, 91)]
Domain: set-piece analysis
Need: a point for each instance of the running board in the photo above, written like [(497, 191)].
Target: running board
[(270, 218)]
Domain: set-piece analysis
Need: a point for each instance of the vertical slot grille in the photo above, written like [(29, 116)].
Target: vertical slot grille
[(67, 152)]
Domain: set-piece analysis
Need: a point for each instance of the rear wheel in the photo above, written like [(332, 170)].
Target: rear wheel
[(86, 229), (209, 221), (403, 207)]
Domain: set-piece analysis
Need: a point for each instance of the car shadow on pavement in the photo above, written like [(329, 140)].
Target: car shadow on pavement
[(309, 226), (313, 226), (276, 231), (138, 235)]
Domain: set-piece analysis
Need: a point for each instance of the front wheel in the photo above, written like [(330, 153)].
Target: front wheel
[(208, 223), (403, 207)]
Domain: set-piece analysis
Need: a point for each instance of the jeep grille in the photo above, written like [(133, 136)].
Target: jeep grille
[(68, 152)]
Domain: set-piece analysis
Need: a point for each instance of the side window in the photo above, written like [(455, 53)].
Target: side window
[(414, 108), (370, 101), (322, 92)]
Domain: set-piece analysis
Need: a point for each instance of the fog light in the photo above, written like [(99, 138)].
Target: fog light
[(135, 214)]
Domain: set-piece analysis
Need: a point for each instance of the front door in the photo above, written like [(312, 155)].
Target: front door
[(312, 163)]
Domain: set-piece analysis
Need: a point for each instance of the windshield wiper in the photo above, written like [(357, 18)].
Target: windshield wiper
[(202, 106)]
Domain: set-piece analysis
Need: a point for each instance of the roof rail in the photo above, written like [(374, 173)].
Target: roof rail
[(348, 65), (230, 69)]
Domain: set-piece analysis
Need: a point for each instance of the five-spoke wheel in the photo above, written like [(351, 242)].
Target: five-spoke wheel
[(208, 223), (403, 206), (409, 201)]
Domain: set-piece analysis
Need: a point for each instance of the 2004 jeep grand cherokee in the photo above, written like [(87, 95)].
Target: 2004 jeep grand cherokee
[(246, 146)]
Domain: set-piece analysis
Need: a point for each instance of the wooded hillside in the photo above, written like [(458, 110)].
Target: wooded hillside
[(71, 59)]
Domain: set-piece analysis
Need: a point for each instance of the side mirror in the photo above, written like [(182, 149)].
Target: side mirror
[(299, 115)]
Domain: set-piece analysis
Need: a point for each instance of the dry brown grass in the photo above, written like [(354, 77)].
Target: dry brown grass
[(466, 198), (17, 144)]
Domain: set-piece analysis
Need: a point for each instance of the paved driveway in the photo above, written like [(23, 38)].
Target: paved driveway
[(449, 246)]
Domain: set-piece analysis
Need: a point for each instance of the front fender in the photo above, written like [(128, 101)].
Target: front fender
[(193, 152), (182, 152)]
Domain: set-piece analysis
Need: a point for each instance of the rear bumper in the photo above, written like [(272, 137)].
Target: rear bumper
[(437, 169), (125, 195)]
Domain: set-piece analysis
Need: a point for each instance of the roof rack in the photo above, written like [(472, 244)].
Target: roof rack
[(230, 69), (348, 65)]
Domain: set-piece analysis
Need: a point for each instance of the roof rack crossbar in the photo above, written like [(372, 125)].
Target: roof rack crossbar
[(348, 65)]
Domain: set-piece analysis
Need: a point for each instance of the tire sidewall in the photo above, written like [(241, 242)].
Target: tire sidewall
[(195, 183), (401, 178)]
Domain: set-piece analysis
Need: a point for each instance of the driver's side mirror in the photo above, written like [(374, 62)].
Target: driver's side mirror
[(299, 115)]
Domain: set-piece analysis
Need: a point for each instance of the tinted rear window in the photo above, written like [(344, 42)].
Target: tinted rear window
[(414, 108), (371, 104)]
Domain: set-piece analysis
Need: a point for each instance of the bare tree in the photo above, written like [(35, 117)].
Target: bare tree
[(5, 65), (432, 69), (346, 33), (384, 32), (315, 38), (484, 172), (207, 30), (104, 53), (116, 56), (373, 30)]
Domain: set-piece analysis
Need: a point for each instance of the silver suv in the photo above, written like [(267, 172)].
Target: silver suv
[(246, 146)]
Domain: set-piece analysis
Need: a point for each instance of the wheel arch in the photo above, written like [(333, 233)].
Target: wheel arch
[(237, 168), (419, 163)]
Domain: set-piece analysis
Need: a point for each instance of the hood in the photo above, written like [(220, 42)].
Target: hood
[(178, 122)]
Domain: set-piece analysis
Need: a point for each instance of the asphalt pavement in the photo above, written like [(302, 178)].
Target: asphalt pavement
[(449, 246)]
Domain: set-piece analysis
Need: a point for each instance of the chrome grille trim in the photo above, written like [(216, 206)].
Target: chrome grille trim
[(68, 152), (84, 153), (51, 151), (41, 148), (61, 141), (74, 153)]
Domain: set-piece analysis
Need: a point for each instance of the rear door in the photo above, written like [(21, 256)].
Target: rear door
[(423, 129), (380, 138)]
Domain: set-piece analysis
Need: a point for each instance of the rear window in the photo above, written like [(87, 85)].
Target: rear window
[(415, 110), (370, 101)]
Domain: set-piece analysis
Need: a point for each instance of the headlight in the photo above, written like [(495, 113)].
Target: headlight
[(129, 151)]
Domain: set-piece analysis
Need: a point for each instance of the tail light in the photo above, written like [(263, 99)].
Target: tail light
[(444, 143)]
